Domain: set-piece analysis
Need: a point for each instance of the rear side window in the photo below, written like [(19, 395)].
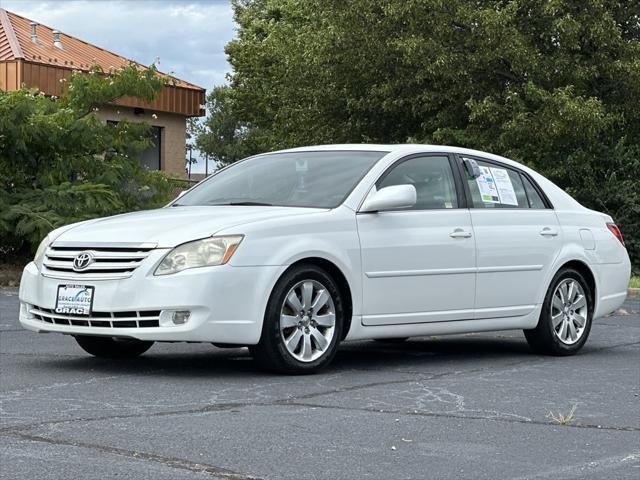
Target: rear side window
[(499, 187), (432, 178), (535, 200)]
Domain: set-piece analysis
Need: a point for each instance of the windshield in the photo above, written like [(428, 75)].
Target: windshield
[(295, 179)]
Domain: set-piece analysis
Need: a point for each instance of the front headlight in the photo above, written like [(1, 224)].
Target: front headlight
[(200, 253), (42, 248)]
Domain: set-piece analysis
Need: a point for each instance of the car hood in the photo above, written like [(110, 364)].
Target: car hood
[(171, 226)]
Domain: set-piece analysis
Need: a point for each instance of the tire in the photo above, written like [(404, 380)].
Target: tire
[(109, 347), (290, 340), (547, 338)]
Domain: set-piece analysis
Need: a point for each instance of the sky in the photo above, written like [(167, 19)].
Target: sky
[(187, 36)]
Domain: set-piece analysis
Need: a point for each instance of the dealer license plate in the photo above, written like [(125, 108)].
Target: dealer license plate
[(74, 299)]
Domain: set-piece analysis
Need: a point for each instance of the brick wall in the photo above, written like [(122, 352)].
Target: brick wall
[(172, 147)]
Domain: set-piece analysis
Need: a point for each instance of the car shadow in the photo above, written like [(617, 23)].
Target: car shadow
[(421, 352), (429, 350)]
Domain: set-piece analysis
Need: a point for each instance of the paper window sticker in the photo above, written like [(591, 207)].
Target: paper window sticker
[(487, 187), (503, 184)]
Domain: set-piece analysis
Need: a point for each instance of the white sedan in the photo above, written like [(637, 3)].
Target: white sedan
[(292, 252)]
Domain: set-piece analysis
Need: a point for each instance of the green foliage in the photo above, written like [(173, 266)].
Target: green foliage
[(59, 163), (222, 135), (554, 84)]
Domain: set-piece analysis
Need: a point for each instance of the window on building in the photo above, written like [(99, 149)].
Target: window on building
[(151, 156)]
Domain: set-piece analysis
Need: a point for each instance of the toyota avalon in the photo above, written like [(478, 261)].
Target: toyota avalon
[(292, 252)]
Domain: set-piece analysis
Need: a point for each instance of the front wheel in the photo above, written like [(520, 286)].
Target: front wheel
[(567, 313), (302, 324), (110, 347)]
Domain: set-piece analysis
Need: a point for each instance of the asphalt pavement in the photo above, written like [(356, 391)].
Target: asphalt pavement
[(467, 406)]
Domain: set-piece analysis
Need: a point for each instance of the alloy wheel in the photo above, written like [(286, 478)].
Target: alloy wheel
[(307, 320), (569, 311)]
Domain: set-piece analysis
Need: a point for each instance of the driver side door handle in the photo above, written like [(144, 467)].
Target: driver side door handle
[(460, 233), (548, 232)]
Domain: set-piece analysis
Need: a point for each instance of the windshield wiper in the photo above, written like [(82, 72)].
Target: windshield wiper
[(249, 204)]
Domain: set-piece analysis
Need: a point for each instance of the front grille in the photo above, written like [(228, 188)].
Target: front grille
[(112, 261), (131, 319)]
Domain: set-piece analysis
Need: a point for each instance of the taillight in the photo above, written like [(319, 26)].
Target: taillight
[(613, 228)]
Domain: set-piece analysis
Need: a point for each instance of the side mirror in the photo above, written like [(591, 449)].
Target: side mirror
[(394, 197)]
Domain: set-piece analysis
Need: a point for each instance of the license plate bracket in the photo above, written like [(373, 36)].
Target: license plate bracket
[(74, 300)]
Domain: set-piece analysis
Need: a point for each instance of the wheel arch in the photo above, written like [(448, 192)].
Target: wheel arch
[(584, 270), (341, 280)]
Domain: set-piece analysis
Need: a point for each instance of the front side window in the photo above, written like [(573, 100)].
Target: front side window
[(290, 179), (432, 178), (497, 187)]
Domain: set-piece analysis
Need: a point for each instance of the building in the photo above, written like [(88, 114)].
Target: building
[(34, 55)]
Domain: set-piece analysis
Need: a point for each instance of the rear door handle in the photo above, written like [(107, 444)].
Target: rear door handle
[(548, 232), (460, 233)]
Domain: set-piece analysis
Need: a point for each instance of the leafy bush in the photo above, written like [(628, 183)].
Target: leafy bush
[(59, 163)]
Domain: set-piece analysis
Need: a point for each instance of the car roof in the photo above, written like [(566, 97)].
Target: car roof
[(559, 198), (402, 148)]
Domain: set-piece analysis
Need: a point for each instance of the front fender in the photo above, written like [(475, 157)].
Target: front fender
[(330, 236)]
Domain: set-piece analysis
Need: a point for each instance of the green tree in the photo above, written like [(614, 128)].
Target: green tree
[(59, 163), (222, 135), (554, 84)]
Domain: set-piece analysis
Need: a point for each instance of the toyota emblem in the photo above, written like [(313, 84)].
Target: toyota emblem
[(82, 261)]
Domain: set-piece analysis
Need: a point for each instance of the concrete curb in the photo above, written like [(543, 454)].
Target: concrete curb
[(633, 292)]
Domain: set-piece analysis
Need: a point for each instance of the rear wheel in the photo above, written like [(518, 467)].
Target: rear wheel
[(565, 320), (302, 324), (110, 347)]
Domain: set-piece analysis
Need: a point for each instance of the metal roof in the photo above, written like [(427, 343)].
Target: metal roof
[(16, 43)]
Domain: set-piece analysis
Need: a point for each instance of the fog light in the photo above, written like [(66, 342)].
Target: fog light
[(171, 318), (181, 317)]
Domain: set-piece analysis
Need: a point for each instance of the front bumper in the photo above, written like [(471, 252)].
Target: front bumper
[(227, 304)]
